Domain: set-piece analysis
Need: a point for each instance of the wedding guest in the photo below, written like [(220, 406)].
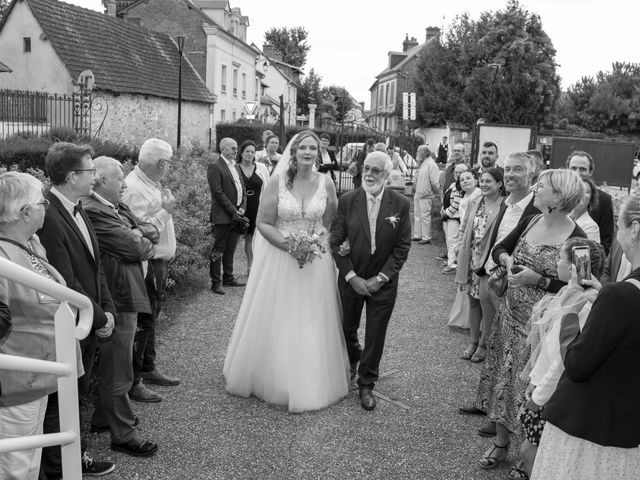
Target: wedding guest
[(545, 367), (537, 157), (519, 169), (584, 165), (457, 158), (152, 203), (581, 213), (529, 254), (355, 167), (26, 322), (469, 187), (124, 244), (269, 156), (265, 139), (396, 160), (327, 162), (487, 158), (482, 215), (255, 176), (426, 187), (451, 216), (443, 151), (72, 249), (593, 421)]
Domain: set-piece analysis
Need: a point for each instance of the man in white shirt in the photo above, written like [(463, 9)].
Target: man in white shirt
[(151, 202), (426, 185)]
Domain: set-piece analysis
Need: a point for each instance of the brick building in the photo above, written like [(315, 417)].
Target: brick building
[(49, 44), (393, 81)]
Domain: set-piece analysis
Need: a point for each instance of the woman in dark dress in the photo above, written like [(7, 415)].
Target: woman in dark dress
[(254, 175)]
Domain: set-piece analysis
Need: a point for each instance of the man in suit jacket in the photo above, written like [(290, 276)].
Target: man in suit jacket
[(124, 246), (376, 223), (356, 165), (583, 164), (443, 151), (327, 162), (228, 201), (72, 249)]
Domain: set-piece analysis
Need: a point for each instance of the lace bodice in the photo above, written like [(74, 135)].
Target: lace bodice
[(292, 218)]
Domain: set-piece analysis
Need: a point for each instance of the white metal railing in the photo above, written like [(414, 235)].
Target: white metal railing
[(66, 331)]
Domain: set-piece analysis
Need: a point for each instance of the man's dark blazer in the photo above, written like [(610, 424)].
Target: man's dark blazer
[(393, 239), (328, 167), (603, 216), (123, 247), (68, 253), (489, 239), (443, 153), (223, 192)]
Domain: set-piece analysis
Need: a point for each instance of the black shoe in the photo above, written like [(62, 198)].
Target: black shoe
[(101, 429), (217, 289), (91, 468), (158, 378), (234, 283), (142, 448), (367, 400), (471, 410), (140, 393)]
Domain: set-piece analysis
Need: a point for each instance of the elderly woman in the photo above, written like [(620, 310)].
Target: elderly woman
[(255, 176), (529, 253), (29, 330), (593, 420)]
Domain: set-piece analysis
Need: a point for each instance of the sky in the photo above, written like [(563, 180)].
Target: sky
[(350, 39)]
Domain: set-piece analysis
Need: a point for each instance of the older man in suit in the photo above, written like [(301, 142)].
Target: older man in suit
[(376, 223), (125, 243), (72, 248), (228, 201)]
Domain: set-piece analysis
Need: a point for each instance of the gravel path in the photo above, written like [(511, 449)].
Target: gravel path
[(204, 433)]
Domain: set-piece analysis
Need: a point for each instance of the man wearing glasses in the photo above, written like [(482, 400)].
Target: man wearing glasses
[(457, 157), (72, 248)]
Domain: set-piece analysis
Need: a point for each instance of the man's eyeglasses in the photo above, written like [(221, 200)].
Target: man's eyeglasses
[(92, 170), (45, 203), (373, 170)]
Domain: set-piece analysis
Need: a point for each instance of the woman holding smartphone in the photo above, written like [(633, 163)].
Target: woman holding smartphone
[(530, 254), (593, 419)]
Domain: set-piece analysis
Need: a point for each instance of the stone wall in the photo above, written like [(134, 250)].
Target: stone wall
[(134, 118)]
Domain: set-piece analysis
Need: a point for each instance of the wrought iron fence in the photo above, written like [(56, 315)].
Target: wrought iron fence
[(38, 112)]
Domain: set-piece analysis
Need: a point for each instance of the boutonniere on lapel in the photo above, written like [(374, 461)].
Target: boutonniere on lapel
[(393, 219)]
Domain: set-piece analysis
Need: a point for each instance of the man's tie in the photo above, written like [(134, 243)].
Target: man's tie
[(77, 208), (372, 222)]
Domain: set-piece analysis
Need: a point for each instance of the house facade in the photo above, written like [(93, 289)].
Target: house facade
[(216, 44), (55, 47), (386, 92)]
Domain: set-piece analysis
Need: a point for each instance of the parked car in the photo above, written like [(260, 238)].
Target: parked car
[(636, 170)]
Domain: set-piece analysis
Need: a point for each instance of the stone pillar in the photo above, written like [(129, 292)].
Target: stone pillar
[(312, 115)]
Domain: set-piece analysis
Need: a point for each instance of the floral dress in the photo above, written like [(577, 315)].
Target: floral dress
[(479, 229), (501, 390)]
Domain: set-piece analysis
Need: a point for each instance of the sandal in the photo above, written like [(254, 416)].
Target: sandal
[(517, 473), (490, 459), (479, 355), (468, 353)]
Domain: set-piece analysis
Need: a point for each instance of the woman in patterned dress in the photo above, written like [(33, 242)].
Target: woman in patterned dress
[(530, 254), (481, 215)]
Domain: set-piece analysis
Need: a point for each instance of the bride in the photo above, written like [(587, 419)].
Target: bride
[(287, 346)]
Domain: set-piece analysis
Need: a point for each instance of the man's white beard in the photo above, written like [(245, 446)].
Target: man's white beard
[(374, 189)]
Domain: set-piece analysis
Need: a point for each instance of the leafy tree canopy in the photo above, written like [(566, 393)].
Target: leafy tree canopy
[(311, 92), (291, 43), (454, 79), (608, 103)]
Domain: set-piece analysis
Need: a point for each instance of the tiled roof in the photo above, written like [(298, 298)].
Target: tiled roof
[(123, 57)]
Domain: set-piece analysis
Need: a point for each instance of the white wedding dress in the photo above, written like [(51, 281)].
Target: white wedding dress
[(287, 346)]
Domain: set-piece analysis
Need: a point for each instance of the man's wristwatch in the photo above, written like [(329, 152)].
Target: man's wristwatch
[(542, 282), (379, 279)]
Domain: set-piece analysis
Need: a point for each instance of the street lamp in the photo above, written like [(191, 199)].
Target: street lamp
[(180, 41), (494, 68)]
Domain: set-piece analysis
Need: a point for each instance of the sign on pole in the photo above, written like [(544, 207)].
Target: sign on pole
[(251, 107)]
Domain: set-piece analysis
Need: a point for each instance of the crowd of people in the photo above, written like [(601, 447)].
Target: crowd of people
[(558, 353)]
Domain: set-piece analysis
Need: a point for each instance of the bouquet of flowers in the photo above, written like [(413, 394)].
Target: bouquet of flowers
[(305, 246)]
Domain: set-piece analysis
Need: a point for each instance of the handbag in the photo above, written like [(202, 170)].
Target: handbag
[(499, 281), (459, 314)]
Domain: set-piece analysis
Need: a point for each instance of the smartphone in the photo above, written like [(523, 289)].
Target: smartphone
[(581, 258)]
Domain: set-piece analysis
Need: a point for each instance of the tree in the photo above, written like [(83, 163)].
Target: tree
[(4, 4), (454, 80), (291, 43), (608, 103), (311, 92), (336, 102)]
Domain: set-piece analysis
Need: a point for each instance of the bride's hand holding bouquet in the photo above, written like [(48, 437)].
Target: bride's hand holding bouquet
[(305, 246)]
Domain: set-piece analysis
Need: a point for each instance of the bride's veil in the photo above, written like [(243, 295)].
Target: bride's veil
[(283, 164)]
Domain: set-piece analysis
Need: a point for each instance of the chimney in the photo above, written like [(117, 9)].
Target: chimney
[(432, 32), (409, 44), (271, 52), (110, 7)]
